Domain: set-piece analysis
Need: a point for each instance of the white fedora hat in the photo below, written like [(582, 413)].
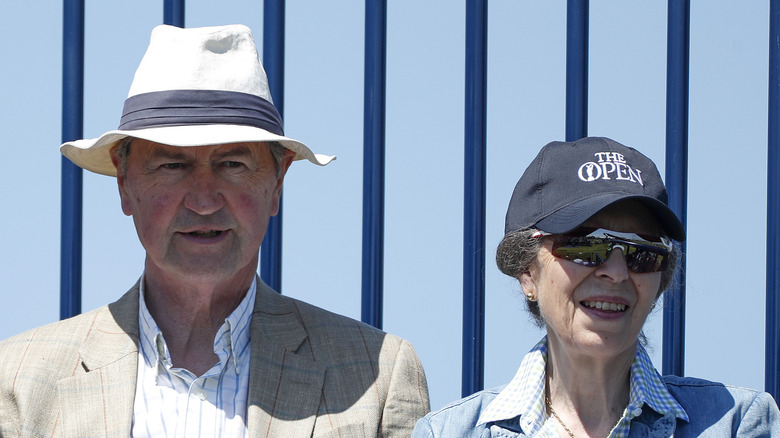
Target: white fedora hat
[(194, 87)]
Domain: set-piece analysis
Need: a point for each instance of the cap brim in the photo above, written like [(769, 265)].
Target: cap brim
[(93, 154), (573, 215)]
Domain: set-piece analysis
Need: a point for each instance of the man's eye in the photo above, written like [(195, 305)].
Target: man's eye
[(171, 166), (232, 164)]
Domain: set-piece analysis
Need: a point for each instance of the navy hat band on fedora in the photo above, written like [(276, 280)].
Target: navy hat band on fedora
[(199, 107)]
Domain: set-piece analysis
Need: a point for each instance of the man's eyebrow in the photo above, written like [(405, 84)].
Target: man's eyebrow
[(238, 150), (165, 153)]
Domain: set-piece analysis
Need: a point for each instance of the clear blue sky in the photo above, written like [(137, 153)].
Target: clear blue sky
[(423, 262)]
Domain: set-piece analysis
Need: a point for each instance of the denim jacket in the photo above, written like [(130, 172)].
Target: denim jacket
[(714, 410)]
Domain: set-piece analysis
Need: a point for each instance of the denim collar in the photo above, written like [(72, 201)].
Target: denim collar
[(522, 400)]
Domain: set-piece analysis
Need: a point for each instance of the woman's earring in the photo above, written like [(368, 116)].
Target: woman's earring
[(529, 296)]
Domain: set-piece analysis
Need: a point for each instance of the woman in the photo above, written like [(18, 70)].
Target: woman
[(588, 235)]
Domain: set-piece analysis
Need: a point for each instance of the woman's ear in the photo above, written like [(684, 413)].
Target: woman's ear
[(528, 284)]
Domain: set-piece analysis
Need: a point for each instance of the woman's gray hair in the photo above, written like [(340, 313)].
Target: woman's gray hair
[(122, 150), (515, 254), (519, 250)]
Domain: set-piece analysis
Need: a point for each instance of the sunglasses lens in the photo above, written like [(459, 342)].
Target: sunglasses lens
[(594, 248), (642, 260), (583, 251)]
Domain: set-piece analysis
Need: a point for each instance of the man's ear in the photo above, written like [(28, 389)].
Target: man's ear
[(284, 165), (120, 180)]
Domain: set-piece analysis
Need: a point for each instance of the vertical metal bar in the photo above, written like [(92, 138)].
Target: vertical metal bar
[(273, 61), (772, 367), (576, 69), (676, 174), (72, 175), (374, 162), (474, 198), (173, 12)]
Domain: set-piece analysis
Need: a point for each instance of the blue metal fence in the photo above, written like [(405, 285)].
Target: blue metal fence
[(772, 379), (72, 175), (173, 12), (576, 69), (676, 174), (474, 182), (273, 61), (475, 164), (374, 162)]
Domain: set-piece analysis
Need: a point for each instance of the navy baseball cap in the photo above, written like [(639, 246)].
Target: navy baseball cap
[(568, 182)]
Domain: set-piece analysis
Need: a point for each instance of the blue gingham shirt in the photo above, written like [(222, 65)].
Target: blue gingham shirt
[(173, 402), (524, 396)]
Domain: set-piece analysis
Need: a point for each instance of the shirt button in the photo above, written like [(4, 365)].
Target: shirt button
[(199, 393)]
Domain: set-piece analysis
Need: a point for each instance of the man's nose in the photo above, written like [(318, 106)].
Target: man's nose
[(203, 193)]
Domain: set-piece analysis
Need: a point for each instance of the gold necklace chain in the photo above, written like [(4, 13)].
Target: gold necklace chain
[(555, 415)]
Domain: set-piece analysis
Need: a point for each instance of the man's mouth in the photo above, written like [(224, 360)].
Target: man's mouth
[(604, 305), (209, 233)]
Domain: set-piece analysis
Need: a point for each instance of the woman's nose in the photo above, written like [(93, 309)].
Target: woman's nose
[(614, 267)]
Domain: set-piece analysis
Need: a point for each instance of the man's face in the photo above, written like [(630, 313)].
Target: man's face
[(201, 212)]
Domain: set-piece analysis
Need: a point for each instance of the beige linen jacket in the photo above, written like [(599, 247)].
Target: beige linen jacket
[(313, 373)]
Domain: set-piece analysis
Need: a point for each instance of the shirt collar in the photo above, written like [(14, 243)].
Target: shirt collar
[(236, 328), (523, 397), (232, 338), (648, 388)]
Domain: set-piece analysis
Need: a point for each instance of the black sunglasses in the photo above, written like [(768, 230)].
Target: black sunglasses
[(592, 247)]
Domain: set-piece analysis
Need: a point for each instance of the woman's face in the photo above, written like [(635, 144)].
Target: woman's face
[(568, 294)]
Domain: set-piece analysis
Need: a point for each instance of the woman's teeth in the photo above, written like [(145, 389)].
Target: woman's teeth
[(603, 305)]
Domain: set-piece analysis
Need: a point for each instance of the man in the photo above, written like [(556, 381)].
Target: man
[(200, 346)]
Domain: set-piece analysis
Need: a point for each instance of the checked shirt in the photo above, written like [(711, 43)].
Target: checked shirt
[(524, 396)]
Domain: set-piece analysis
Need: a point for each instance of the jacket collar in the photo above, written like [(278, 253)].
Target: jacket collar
[(285, 385), (98, 399)]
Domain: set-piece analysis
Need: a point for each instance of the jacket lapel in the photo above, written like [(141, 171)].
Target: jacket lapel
[(285, 383), (98, 399)]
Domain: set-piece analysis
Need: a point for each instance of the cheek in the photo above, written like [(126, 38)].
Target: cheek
[(150, 208), (247, 204), (647, 285), (251, 208), (143, 195), (569, 277), (261, 199), (158, 203), (557, 285)]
